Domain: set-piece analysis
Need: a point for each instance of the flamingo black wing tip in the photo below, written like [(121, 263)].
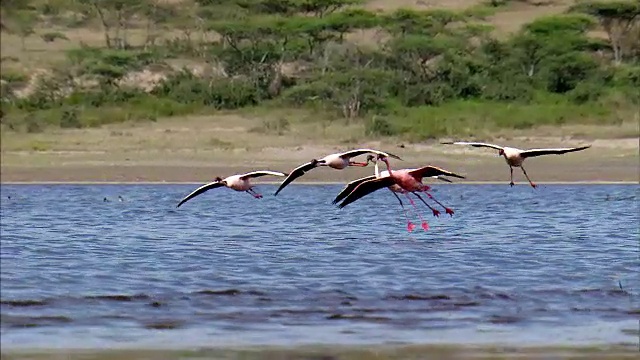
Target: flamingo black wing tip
[(394, 156)]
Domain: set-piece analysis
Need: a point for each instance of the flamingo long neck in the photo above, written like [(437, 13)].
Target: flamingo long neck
[(388, 167)]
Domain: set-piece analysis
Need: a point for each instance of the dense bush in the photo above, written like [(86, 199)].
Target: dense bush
[(423, 63)]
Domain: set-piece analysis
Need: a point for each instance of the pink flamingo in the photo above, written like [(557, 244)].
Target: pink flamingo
[(409, 180), (395, 189)]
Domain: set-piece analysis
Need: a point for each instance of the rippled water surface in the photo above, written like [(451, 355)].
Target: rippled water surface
[(513, 265)]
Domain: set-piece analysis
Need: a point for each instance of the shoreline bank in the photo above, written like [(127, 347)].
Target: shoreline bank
[(379, 352)]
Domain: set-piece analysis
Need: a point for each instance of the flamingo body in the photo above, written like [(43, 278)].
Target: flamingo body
[(237, 183), (241, 182), (515, 157), (404, 180), (408, 180), (336, 161)]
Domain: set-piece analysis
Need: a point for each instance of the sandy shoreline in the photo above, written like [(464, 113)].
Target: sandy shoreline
[(76, 159), (378, 352), (480, 172), (482, 168)]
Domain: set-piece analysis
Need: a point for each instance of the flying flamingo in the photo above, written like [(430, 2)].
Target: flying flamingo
[(236, 182), (336, 161), (395, 189), (409, 180), (515, 157)]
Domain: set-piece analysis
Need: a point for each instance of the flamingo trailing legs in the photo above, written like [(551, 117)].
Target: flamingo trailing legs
[(425, 189), (358, 188)]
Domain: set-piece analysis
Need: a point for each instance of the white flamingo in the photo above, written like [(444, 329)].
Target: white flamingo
[(336, 161), (515, 157), (239, 182)]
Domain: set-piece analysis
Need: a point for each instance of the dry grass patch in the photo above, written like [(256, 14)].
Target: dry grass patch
[(518, 13), (38, 53), (225, 131), (392, 5)]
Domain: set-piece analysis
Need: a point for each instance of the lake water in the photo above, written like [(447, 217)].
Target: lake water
[(554, 265)]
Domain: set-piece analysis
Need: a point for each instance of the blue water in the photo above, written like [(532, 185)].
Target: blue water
[(556, 265)]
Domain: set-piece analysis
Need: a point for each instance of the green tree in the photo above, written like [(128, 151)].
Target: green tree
[(618, 18), (115, 16), (547, 37)]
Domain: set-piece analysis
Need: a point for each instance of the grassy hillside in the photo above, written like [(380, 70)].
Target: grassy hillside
[(407, 69)]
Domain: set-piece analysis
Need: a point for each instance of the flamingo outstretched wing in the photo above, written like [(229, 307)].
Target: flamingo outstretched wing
[(255, 174), (358, 152), (349, 188), (431, 171), (296, 173), (474, 144), (557, 151), (441, 178), (200, 190), (366, 188)]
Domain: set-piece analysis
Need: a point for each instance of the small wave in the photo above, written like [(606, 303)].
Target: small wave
[(33, 321), (605, 292), (118, 297), (164, 324), (357, 317), (24, 303), (495, 295), (466, 303), (283, 312), (419, 297), (504, 319), (229, 292)]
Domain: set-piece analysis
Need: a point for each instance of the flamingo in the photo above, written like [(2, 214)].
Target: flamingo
[(239, 182), (515, 157), (395, 189), (409, 180), (336, 161)]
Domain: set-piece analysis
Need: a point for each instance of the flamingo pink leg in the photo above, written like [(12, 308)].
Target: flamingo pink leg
[(446, 209), (424, 224), (511, 183), (410, 225), (436, 213), (254, 194), (354, 163), (525, 174)]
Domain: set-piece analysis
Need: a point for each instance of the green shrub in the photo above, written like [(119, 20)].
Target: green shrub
[(33, 124), (232, 94), (69, 118), (53, 36), (628, 76), (566, 71), (272, 126), (377, 126)]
